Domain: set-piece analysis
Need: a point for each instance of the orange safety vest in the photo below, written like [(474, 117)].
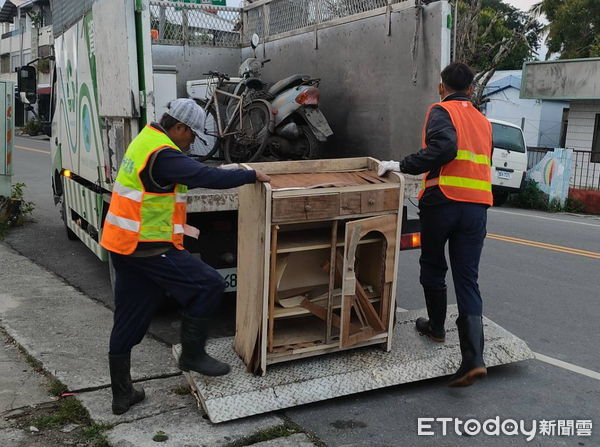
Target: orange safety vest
[(467, 178), (136, 215)]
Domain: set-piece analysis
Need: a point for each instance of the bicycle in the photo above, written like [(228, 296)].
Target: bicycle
[(243, 134)]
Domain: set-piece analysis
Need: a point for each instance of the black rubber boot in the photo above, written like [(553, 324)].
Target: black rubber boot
[(193, 353), (436, 301), (124, 394), (472, 367)]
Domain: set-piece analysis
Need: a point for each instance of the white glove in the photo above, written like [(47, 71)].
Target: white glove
[(385, 166), (230, 166)]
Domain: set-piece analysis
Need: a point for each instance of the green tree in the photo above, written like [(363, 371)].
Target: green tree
[(492, 35), (574, 28)]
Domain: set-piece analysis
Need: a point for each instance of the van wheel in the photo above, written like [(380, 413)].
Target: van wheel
[(71, 235), (500, 198)]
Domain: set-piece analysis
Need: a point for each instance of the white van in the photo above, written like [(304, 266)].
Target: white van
[(509, 160)]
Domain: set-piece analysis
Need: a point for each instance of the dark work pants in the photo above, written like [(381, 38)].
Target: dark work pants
[(141, 283), (463, 226)]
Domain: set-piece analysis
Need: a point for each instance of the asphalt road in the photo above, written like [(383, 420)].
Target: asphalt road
[(540, 280)]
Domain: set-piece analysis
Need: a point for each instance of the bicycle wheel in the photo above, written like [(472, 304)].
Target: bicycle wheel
[(199, 150), (250, 137)]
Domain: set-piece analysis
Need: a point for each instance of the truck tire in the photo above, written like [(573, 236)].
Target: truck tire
[(71, 235), (500, 198)]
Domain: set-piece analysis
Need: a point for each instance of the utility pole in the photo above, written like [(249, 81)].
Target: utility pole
[(21, 35), (455, 30)]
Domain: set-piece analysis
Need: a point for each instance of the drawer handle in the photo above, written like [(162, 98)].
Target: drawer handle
[(307, 207), (371, 201)]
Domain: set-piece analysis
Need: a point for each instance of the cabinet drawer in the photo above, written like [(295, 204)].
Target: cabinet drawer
[(381, 200), (289, 209), (350, 203)]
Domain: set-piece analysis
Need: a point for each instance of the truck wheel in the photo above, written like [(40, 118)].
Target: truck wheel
[(500, 198), (71, 235)]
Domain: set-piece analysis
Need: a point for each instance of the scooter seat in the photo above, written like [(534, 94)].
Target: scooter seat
[(289, 82), (254, 84)]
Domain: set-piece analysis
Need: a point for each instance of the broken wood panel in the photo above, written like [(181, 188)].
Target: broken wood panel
[(249, 309), (274, 279)]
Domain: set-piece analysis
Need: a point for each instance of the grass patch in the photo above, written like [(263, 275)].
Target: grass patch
[(532, 197), (278, 431), (181, 390), (95, 434), (56, 387), (69, 411), (160, 436), (14, 210), (31, 361)]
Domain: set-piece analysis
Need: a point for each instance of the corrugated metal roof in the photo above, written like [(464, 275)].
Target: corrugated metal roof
[(7, 12), (501, 84), (66, 12), (9, 9)]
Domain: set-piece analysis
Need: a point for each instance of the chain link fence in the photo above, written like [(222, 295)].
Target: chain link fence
[(178, 23), (281, 16)]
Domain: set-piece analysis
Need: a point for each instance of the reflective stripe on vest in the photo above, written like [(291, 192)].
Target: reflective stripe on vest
[(122, 222), (136, 215), (467, 178), (460, 182)]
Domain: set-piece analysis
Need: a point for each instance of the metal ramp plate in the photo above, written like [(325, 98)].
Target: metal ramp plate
[(412, 358)]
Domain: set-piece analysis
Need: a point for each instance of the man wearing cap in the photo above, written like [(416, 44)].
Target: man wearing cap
[(144, 230)]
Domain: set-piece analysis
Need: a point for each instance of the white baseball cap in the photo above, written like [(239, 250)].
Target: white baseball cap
[(187, 112)]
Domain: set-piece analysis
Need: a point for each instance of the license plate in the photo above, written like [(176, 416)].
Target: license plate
[(230, 277), (504, 174), (318, 120)]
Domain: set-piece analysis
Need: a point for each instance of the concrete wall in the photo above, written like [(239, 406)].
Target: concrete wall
[(367, 93), (191, 62)]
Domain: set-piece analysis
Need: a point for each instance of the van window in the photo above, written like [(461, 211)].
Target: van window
[(507, 137)]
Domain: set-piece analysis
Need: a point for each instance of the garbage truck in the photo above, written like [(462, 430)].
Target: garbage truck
[(116, 65)]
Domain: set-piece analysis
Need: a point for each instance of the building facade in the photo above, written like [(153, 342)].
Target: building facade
[(541, 120), (26, 37)]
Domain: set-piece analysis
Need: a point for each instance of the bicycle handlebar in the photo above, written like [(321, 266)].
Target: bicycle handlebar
[(216, 74)]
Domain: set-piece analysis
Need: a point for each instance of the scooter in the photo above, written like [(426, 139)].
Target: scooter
[(299, 126)]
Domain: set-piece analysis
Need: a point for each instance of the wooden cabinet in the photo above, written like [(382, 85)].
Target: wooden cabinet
[(317, 260)]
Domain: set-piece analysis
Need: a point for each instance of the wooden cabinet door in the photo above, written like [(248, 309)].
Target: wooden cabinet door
[(359, 320)]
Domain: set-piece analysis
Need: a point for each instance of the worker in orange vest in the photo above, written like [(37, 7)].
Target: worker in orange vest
[(144, 230), (456, 159)]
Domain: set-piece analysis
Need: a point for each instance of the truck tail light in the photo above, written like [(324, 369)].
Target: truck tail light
[(409, 241), (309, 97), (66, 173)]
